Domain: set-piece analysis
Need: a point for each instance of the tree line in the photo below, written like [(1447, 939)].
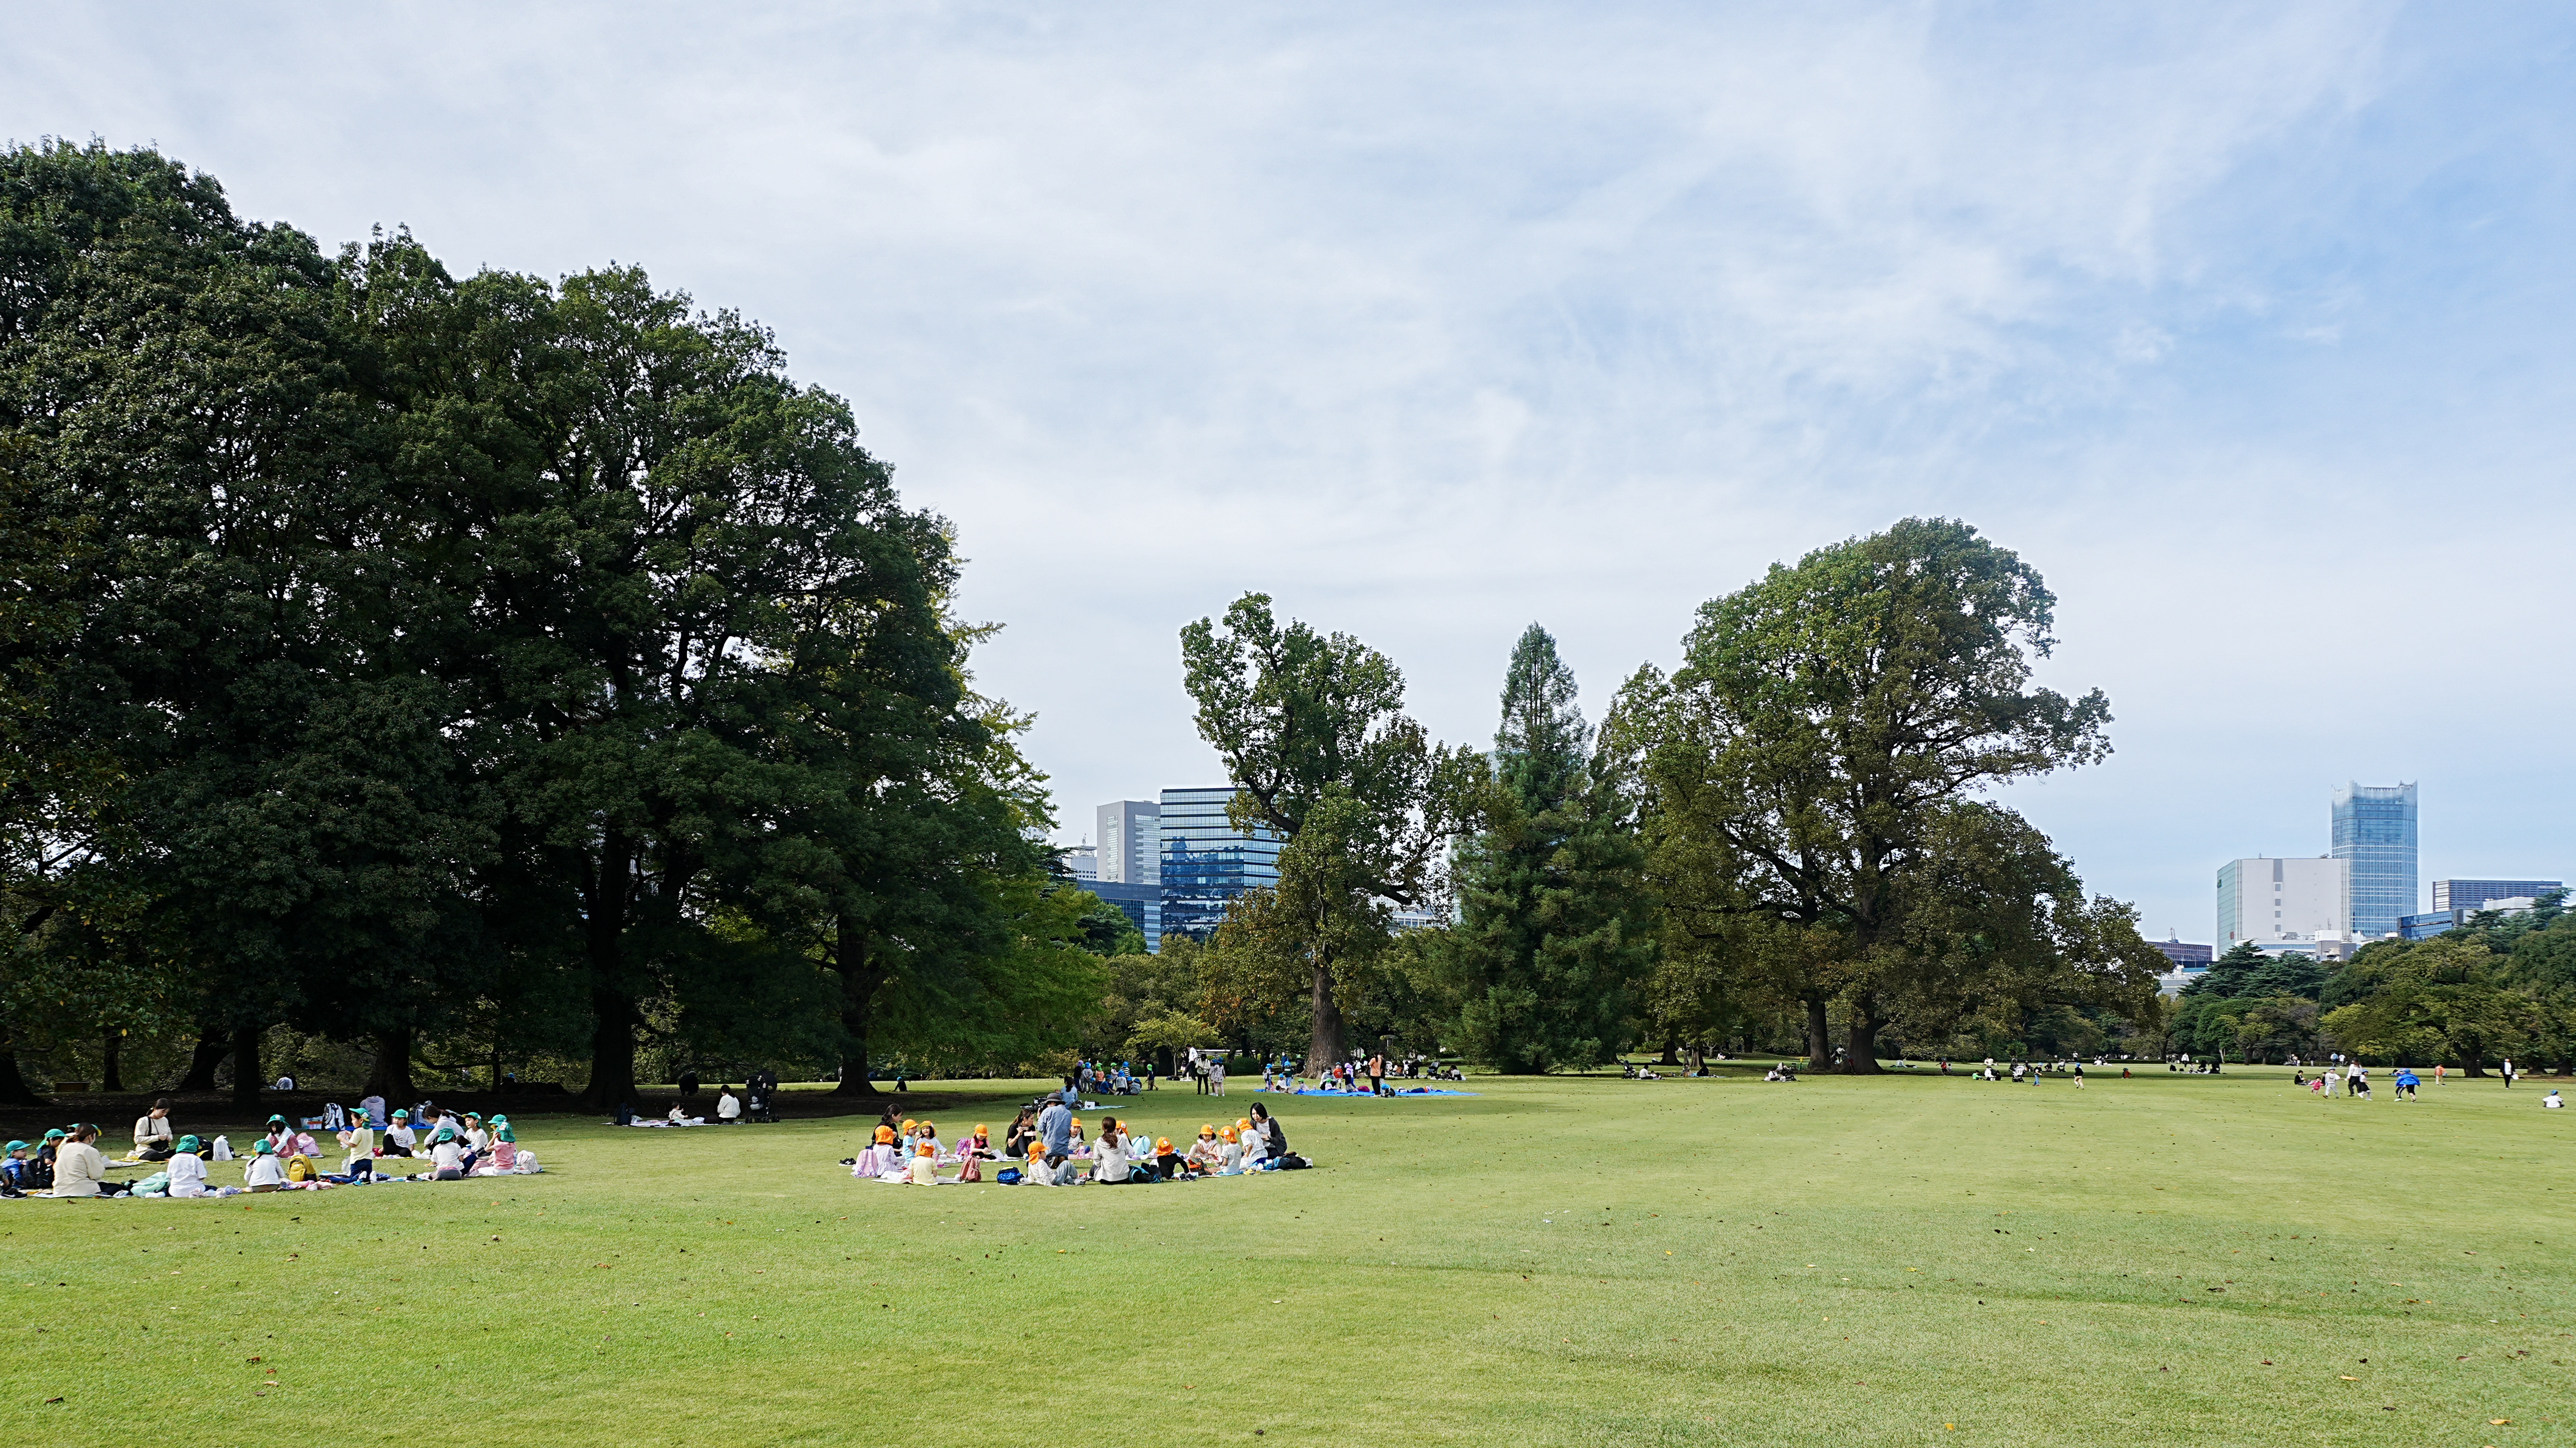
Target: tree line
[(2498, 986), (1789, 840), (481, 669)]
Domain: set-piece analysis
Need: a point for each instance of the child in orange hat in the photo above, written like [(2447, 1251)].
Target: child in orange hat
[(1204, 1154), (1170, 1163), (925, 1165), (1229, 1152)]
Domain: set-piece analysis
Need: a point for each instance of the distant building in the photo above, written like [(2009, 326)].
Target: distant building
[(1417, 918), (2430, 924), (2474, 894), (1142, 904), (2280, 904), (2437, 922), (1082, 861), (1208, 864), (2374, 834), (1131, 843), (2184, 957)]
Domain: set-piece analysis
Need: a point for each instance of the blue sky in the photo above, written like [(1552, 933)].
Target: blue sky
[(2248, 325)]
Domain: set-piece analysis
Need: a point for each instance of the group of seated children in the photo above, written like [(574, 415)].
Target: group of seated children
[(285, 1157), (911, 1153)]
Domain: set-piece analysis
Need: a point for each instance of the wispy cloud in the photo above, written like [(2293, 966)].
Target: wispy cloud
[(1434, 320)]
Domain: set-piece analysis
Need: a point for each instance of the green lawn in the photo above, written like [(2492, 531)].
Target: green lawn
[(1581, 1260)]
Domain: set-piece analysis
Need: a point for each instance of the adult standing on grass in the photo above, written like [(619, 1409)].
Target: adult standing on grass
[(1055, 1133), (1377, 1075), (2508, 1073)]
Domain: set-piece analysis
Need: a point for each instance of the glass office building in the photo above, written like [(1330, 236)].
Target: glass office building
[(2474, 894), (1208, 864), (1140, 903), (2374, 833)]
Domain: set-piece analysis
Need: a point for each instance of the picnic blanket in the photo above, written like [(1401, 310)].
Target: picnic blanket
[(1364, 1096)]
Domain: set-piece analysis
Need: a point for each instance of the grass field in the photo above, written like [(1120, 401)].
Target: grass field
[(1906, 1259)]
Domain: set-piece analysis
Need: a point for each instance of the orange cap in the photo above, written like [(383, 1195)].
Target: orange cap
[(1162, 1143), (1227, 1134), (925, 1149), (885, 1136)]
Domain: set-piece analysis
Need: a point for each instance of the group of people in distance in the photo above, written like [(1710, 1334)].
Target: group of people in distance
[(1048, 1145), (285, 1157)]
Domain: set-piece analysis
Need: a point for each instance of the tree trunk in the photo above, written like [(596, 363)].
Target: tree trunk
[(1330, 1042), (111, 1072), (860, 977), (1860, 1055), (246, 1072), (612, 1051), (607, 891), (1820, 1046), (209, 1053), (1672, 1051), (389, 1075), (14, 1090)]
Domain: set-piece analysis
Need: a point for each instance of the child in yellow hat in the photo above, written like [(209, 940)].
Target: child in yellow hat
[(925, 1165), (1229, 1152)]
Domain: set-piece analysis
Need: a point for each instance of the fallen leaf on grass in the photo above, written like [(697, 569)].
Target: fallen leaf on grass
[(2347, 1377)]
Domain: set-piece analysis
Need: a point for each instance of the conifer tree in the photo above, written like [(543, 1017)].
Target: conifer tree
[(1553, 934)]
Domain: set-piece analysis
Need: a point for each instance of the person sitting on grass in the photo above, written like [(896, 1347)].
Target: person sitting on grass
[(1229, 1152), (80, 1170), (153, 1133), (925, 1165), (264, 1173), (728, 1106), (2552, 1102), (504, 1157), (400, 1138), (1109, 1164), (973, 1152), (446, 1157), (187, 1169), (1170, 1164), (17, 1173), (1274, 1141), (1206, 1154)]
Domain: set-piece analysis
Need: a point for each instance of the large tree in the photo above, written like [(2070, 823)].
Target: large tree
[(1826, 722), (1312, 731), (231, 644), (1554, 931)]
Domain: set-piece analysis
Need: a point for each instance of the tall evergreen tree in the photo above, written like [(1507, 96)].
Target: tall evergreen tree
[(1554, 933)]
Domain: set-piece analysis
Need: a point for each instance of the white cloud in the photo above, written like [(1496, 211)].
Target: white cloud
[(1433, 321)]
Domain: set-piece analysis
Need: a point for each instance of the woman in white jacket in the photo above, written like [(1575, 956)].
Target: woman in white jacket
[(1109, 1160)]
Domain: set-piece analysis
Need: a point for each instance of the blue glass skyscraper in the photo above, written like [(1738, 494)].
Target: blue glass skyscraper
[(2374, 829), (1208, 864)]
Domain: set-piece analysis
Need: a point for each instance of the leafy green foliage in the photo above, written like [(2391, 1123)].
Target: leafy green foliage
[(1554, 930), (1805, 780), (1312, 732)]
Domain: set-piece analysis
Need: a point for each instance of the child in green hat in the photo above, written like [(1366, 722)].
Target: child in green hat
[(265, 1173), (188, 1168)]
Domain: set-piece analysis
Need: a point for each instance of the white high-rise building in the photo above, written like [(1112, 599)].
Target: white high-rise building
[(1082, 861), (1131, 842), (2284, 904)]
